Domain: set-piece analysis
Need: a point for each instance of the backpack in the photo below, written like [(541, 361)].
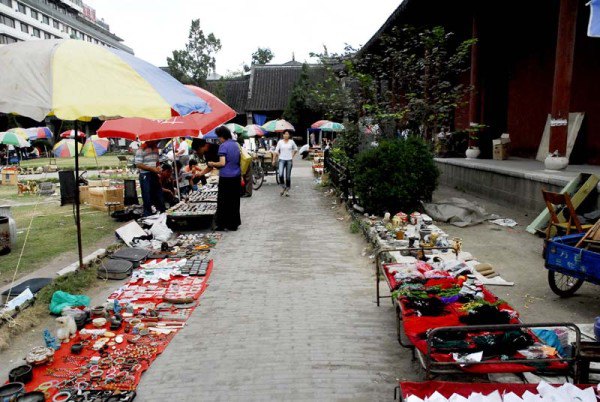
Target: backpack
[(245, 160)]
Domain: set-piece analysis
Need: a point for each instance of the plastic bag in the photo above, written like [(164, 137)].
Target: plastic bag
[(61, 300), (160, 231)]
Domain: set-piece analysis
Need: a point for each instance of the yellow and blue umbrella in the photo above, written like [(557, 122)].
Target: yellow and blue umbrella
[(95, 146), (77, 80), (14, 139), (66, 148)]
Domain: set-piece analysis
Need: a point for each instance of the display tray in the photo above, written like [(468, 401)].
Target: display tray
[(203, 196), (191, 210)]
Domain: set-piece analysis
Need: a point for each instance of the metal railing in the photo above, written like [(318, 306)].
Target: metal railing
[(341, 178)]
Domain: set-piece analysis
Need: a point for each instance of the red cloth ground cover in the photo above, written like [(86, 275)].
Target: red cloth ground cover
[(66, 365)]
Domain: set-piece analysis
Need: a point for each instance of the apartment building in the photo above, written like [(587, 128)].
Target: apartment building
[(54, 19)]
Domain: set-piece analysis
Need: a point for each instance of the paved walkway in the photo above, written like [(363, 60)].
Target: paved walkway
[(289, 313)]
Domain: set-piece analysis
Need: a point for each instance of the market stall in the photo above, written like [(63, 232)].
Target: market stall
[(105, 349), (198, 205), (449, 318)]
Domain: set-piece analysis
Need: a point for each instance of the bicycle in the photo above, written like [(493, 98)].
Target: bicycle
[(258, 173)]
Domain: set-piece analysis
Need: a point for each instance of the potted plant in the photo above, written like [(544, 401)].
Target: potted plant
[(473, 149)]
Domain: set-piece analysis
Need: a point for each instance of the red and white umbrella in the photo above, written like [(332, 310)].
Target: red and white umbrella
[(71, 134), (192, 125)]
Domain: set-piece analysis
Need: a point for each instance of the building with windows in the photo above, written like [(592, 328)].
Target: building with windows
[(54, 19)]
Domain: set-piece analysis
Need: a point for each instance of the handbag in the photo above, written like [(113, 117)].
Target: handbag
[(245, 160)]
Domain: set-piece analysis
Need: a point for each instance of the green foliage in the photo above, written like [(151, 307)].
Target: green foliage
[(263, 55), (193, 64), (299, 99), (73, 283), (349, 140), (355, 227), (420, 71), (395, 176)]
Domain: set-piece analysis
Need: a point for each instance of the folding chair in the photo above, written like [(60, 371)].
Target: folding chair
[(556, 202)]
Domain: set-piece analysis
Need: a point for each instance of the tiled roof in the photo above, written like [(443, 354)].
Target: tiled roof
[(272, 85), (232, 91)]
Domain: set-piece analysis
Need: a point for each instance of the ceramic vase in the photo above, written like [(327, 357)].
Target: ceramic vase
[(472, 153)]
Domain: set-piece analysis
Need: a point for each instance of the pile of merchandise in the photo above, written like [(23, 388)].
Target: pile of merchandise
[(435, 284), (184, 209), (438, 391), (101, 352), (208, 193)]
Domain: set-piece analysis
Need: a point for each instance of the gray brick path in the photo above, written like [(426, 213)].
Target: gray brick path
[(288, 315)]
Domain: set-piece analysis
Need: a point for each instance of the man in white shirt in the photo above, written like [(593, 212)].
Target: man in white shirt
[(183, 153)]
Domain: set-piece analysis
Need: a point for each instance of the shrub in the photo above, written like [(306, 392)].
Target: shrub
[(395, 176)]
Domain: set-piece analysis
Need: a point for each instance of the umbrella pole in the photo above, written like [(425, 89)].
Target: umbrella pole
[(77, 214), (176, 172)]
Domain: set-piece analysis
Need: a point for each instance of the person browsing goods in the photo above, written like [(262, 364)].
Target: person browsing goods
[(146, 160), (230, 180)]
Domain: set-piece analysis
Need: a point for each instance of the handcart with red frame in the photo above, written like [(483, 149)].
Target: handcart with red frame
[(436, 363), (447, 389)]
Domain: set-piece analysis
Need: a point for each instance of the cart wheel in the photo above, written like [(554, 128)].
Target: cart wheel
[(563, 285), (258, 177)]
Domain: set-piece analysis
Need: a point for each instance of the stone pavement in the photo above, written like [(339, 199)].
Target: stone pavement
[(289, 312)]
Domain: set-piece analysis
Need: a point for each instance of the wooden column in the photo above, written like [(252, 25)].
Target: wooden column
[(563, 76), (475, 94)]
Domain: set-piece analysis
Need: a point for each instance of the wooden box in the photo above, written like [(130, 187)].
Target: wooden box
[(10, 177), (500, 152), (99, 196), (84, 194), (99, 183)]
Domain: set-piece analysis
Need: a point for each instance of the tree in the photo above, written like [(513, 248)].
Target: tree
[(419, 72), (298, 105), (193, 64), (263, 55)]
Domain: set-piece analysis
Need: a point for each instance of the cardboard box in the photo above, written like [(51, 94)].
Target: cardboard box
[(84, 194), (99, 196), (99, 183), (10, 177), (500, 152)]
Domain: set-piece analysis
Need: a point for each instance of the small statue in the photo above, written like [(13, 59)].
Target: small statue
[(51, 341), (66, 328)]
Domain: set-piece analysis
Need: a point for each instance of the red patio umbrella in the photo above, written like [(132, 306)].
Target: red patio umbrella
[(191, 125), (71, 134)]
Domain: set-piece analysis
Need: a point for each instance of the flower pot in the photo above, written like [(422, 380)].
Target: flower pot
[(472, 153), (556, 162)]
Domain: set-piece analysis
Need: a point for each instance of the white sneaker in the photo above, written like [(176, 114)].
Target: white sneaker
[(282, 192), (287, 192)]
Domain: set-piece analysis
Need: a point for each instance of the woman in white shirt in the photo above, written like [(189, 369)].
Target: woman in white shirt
[(286, 150)]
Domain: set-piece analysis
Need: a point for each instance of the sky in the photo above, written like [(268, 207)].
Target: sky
[(154, 28)]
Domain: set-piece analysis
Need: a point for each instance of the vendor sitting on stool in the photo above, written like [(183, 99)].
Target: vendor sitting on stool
[(168, 185)]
